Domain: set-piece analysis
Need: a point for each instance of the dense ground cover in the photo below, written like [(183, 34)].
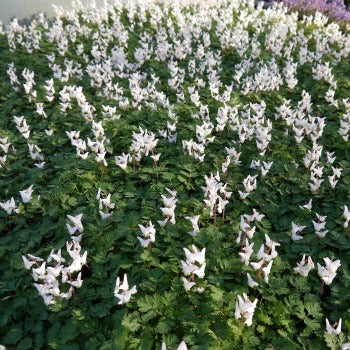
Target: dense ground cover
[(249, 111)]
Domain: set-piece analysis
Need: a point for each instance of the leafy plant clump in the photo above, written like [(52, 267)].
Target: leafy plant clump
[(175, 175)]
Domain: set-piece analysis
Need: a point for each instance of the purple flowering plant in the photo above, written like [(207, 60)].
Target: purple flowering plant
[(334, 9)]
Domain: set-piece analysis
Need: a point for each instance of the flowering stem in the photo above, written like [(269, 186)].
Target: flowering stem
[(243, 240), (321, 289), (223, 211), (4, 165), (258, 276), (215, 216), (74, 295)]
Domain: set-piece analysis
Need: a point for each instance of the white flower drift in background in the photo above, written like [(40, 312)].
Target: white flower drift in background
[(245, 309), (122, 291), (50, 279)]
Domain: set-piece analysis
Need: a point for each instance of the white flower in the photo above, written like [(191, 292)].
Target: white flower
[(149, 230), (248, 250), (48, 132), (187, 284), (307, 206), (125, 296), (270, 243), (123, 160), (26, 194), (182, 346), (156, 157), (76, 220), (76, 283), (328, 272), (27, 263), (104, 215), (346, 215), (144, 242), (195, 255), (251, 282), (266, 270), (318, 226), (332, 330), (194, 222), (295, 229), (245, 309), (200, 272), (71, 229), (9, 206), (305, 266)]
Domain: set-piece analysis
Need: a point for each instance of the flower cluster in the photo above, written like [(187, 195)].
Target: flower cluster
[(266, 257), (190, 268), (122, 291), (194, 222), (106, 204), (10, 205), (168, 211), (305, 266), (148, 233), (328, 272), (51, 278), (249, 184), (320, 225), (215, 195), (245, 309), (6, 147), (76, 228)]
